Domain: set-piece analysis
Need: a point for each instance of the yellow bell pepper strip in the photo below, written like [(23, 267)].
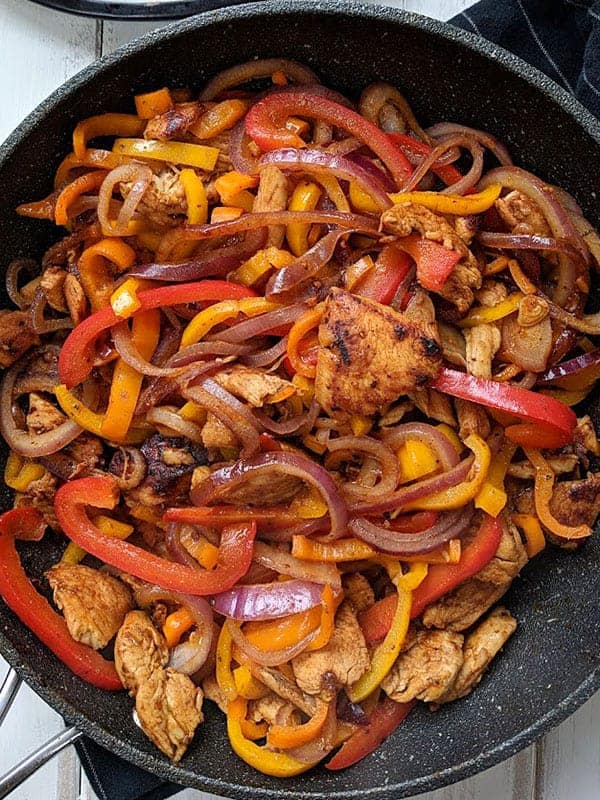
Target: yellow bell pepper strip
[(416, 459), (126, 381), (225, 214), (260, 264), (192, 155), (195, 195), (360, 424), (111, 527), (535, 541), (243, 200), (492, 497), (232, 183), (20, 472), (452, 203), (279, 634), (304, 198), (88, 182), (285, 737), (176, 624), (479, 316), (341, 550), (221, 117), (152, 104), (279, 765), (335, 193), (461, 494), (361, 200), (309, 505), (94, 274), (92, 158), (105, 125), (253, 730), (452, 437), (91, 420), (414, 577), (247, 685), (328, 609), (223, 671), (193, 412), (124, 300), (386, 653), (205, 320), (542, 495), (309, 320)]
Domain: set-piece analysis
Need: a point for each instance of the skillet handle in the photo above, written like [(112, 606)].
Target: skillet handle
[(8, 692), (15, 777)]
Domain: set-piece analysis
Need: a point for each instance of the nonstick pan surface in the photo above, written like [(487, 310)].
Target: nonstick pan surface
[(552, 664)]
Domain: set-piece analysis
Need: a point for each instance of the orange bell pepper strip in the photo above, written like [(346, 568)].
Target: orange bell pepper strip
[(192, 155), (542, 495), (285, 737), (105, 125), (126, 381), (341, 550), (36, 612), (235, 551), (224, 214), (95, 276), (534, 535), (253, 730), (84, 183), (231, 183), (176, 624), (328, 609), (223, 673), (279, 634), (221, 117), (152, 104), (92, 158), (309, 320), (247, 685), (38, 209)]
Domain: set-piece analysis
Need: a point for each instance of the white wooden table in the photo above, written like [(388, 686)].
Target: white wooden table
[(39, 50)]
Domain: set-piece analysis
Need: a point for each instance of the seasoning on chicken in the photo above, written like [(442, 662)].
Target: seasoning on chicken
[(94, 603), (272, 195), (482, 343), (16, 336), (175, 122), (521, 215), (426, 667), (370, 354), (434, 405), (471, 419), (573, 502), (254, 386), (273, 709), (358, 591), (52, 284), (140, 650), (40, 494), (43, 415), (164, 201), (345, 657)]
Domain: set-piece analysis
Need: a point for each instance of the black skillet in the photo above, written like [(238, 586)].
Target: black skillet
[(136, 9), (552, 665)]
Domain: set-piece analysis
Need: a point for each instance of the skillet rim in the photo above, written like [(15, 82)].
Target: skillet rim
[(491, 52)]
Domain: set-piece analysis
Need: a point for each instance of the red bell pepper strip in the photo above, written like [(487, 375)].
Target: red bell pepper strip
[(434, 261), (447, 173), (235, 551), (219, 516), (36, 612), (440, 579), (265, 124), (381, 282), (414, 523), (77, 354), (549, 423), (384, 720)]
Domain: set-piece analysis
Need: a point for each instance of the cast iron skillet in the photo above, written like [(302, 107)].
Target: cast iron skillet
[(136, 9), (552, 664)]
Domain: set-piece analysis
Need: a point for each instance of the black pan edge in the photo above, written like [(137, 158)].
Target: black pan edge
[(139, 12), (155, 763)]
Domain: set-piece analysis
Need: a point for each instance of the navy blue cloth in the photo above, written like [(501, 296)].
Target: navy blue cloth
[(562, 39)]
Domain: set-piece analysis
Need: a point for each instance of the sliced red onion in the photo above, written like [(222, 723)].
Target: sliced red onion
[(167, 417), (41, 325), (299, 424), (121, 336), (30, 445), (511, 241), (268, 658), (318, 162), (214, 264), (216, 486), (378, 95), (382, 178), (206, 349), (443, 129), (260, 325), (132, 172), (13, 272), (466, 182), (315, 751), (429, 434), (253, 70), (571, 367), (449, 525), (175, 548), (285, 563), (267, 357), (268, 600), (376, 449)]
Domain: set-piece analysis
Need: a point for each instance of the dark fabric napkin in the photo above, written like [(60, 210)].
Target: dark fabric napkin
[(559, 37)]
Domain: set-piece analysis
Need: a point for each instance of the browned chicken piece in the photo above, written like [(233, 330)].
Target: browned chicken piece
[(404, 218), (395, 413), (461, 285), (75, 299), (212, 691), (370, 354), (453, 344), (216, 435), (522, 215), (140, 650), (573, 502), (272, 195), (43, 416), (169, 708), (175, 122), (252, 385), (285, 688), (471, 419), (40, 494), (16, 336), (358, 591), (344, 659), (274, 710), (491, 293), (561, 464), (482, 343), (52, 284), (164, 200), (78, 459), (466, 227), (426, 667), (585, 435), (221, 142), (488, 638), (462, 607), (93, 603), (434, 404)]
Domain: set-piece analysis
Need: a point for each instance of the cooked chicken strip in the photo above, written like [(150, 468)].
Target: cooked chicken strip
[(483, 342), (140, 650), (16, 336), (272, 195), (252, 385), (522, 215)]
